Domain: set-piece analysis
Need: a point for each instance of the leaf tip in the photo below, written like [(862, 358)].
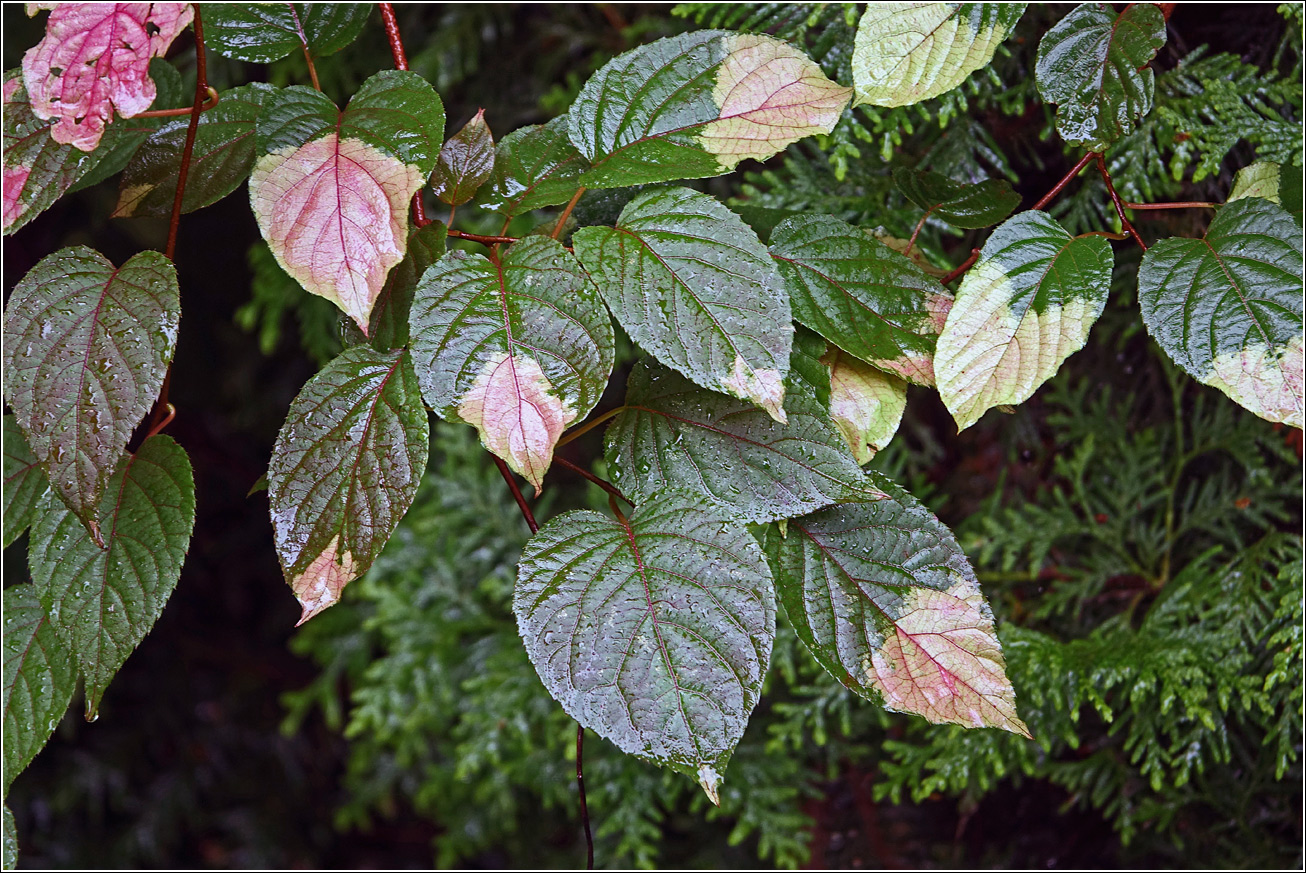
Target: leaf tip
[(765, 387), (708, 780), (321, 583)]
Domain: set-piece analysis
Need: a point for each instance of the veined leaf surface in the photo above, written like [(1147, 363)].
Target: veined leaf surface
[(908, 52), (1026, 306), (518, 349), (222, 157), (40, 678), (331, 190), (24, 483), (534, 167), (1228, 307), (866, 404), (86, 348), (860, 294), (102, 601), (983, 204), (694, 105), (466, 161), (674, 434), (344, 470), (1094, 66), (883, 597), (654, 632), (693, 285), (391, 311), (266, 32)]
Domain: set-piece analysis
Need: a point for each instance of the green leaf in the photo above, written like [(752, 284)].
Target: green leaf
[(1024, 307), (10, 847), (983, 204), (331, 190), (694, 105), (655, 632), (1094, 65), (102, 601), (866, 404), (1271, 181), (86, 347), (389, 327), (24, 482), (40, 678), (1228, 308), (883, 597), (266, 32), (861, 295), (693, 285), (534, 167), (518, 350), (344, 470), (465, 162), (222, 157), (673, 434), (805, 364), (908, 52)]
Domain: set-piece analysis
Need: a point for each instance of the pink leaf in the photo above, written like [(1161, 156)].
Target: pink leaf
[(95, 58), (335, 214)]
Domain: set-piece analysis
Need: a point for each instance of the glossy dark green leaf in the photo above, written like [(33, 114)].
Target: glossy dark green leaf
[(344, 470), (465, 162), (908, 52), (1094, 66), (692, 284), (860, 294), (221, 160), (983, 204), (883, 597), (389, 327), (805, 363), (86, 347), (654, 632), (694, 105), (674, 434), (102, 601), (1024, 307), (40, 678), (266, 32), (9, 848), (1228, 307), (534, 167), (518, 349), (24, 483)]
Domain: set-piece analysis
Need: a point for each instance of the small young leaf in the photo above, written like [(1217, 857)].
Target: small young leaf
[(983, 204), (24, 482), (908, 52), (1228, 307), (1259, 179), (861, 295), (389, 328), (344, 470), (1025, 307), (266, 32), (883, 597), (693, 285), (518, 350), (694, 105), (102, 601), (654, 632), (40, 678), (222, 158), (86, 347), (1094, 65), (331, 190), (466, 161), (534, 167), (94, 59), (674, 434), (866, 404)]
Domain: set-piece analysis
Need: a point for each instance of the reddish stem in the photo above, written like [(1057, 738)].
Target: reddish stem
[(1065, 180), (1120, 207), (602, 483), (210, 100), (566, 213), (476, 237), (401, 63), (1178, 204), (917, 232), (303, 44), (965, 265), (517, 495)]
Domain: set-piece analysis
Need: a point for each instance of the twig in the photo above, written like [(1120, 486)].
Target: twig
[(1065, 180), (1120, 207), (1178, 204), (480, 238), (915, 233), (602, 483), (210, 100), (965, 265), (303, 43), (401, 63), (566, 213), (587, 427), (517, 495)]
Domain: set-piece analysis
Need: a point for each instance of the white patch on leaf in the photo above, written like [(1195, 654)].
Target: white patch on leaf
[(518, 414), (321, 582), (943, 661), (709, 780), (766, 388), (1268, 382), (865, 403), (770, 95), (129, 198), (335, 214)]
